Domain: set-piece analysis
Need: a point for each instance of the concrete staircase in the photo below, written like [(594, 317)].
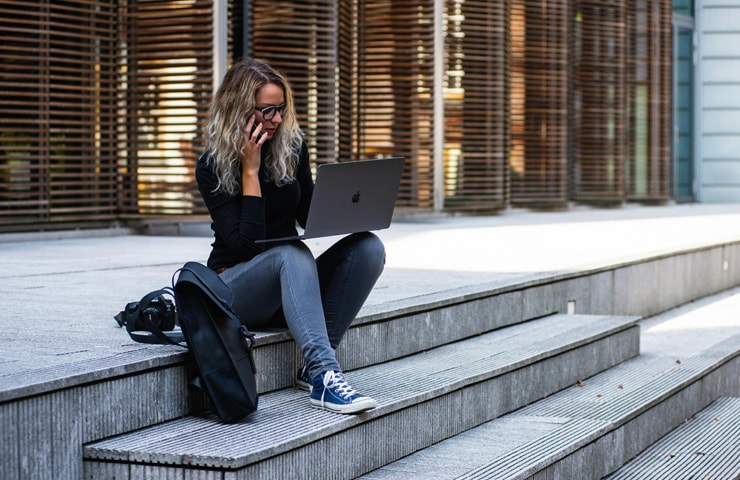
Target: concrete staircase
[(538, 378), (591, 429), (422, 399), (707, 445)]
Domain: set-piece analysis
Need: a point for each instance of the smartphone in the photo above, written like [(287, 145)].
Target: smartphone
[(254, 127)]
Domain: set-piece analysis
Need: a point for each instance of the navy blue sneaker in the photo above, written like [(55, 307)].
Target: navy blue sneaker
[(302, 382), (332, 392)]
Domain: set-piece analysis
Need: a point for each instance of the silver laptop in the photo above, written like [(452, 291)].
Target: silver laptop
[(351, 197)]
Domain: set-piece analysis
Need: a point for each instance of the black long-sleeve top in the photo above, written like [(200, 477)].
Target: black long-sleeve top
[(238, 220)]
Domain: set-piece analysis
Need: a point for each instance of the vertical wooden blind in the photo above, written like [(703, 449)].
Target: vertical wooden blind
[(649, 100), (395, 76), (298, 38), (347, 65), (539, 91), (544, 102), (166, 75), (599, 141), (476, 108), (57, 103)]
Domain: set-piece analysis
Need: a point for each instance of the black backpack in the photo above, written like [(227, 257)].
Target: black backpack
[(221, 346)]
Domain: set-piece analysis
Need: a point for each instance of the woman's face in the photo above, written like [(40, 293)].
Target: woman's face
[(272, 98)]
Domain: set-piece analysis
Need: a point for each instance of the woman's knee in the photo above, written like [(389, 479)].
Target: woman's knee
[(271, 265), (374, 242), (291, 254), (370, 248)]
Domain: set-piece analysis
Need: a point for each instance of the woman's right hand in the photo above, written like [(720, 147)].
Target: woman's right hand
[(251, 158), (254, 138)]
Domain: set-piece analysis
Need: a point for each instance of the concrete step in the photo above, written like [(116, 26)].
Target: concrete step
[(117, 385), (588, 430), (136, 385), (707, 445), (91, 382), (422, 399)]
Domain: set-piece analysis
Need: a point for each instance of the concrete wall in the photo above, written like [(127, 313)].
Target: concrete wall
[(718, 100)]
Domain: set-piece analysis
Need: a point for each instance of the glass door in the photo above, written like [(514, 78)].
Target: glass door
[(683, 96)]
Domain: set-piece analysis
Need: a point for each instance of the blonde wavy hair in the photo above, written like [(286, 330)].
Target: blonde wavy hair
[(228, 114)]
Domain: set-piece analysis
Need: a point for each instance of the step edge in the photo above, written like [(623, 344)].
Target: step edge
[(640, 461), (610, 426), (94, 451)]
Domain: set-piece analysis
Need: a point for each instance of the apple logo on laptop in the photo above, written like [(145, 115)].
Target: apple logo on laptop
[(356, 197)]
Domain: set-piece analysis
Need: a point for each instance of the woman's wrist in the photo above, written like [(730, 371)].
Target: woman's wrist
[(251, 184)]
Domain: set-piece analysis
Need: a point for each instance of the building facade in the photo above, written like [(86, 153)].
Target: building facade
[(716, 108), (518, 103)]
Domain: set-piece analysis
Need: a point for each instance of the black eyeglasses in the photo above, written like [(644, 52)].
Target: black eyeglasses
[(269, 112)]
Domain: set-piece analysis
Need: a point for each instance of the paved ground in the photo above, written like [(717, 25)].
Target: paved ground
[(59, 292)]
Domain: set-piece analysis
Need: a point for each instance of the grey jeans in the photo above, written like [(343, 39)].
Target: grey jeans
[(316, 298)]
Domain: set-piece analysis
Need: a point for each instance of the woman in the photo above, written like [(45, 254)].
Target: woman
[(255, 179)]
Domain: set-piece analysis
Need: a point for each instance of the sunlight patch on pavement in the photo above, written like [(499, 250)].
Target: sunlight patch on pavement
[(552, 247)]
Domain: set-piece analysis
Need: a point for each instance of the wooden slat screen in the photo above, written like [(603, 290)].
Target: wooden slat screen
[(395, 91), (539, 92), (298, 39), (347, 65), (166, 74), (57, 103), (649, 97), (598, 132), (239, 15), (476, 107), (545, 103)]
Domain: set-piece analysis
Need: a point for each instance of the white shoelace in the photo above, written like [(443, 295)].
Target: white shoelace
[(336, 380)]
